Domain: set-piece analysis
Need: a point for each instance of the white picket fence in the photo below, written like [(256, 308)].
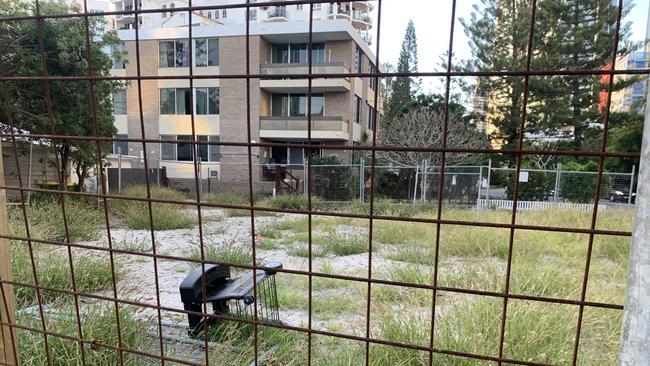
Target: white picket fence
[(537, 205)]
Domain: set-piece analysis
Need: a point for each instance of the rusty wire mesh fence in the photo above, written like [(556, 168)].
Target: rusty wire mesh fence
[(112, 297)]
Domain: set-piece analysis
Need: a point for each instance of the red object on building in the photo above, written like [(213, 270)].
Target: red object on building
[(603, 94)]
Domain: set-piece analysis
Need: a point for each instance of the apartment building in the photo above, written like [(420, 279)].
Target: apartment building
[(626, 99), (357, 13), (342, 108)]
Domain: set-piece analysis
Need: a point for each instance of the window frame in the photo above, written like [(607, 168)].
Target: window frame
[(317, 53), (194, 108), (209, 43), (175, 57), (212, 152), (117, 144), (125, 102), (357, 109), (288, 104)]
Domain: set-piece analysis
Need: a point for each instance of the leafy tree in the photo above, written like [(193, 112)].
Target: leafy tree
[(64, 43), (403, 89)]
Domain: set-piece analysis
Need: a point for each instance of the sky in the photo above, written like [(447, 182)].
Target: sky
[(432, 20)]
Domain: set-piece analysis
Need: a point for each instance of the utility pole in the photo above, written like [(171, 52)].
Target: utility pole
[(8, 342)]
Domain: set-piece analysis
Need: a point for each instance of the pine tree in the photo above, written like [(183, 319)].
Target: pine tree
[(404, 89), (498, 40), (579, 36), (568, 35)]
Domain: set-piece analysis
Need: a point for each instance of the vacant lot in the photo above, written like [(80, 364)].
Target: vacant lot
[(545, 264)]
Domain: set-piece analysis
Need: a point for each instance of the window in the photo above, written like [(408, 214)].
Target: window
[(174, 53), (164, 13), (117, 56), (119, 102), (207, 100), (357, 60), (213, 101), (357, 109), (182, 151), (120, 147), (637, 88), (295, 105), (183, 101), (216, 14), (224, 13), (252, 14), (168, 150), (371, 80), (210, 14), (317, 6), (206, 52), (177, 101), (297, 53), (214, 151), (370, 117), (292, 155), (299, 7)]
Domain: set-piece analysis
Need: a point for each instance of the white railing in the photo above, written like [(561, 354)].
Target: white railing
[(537, 205)]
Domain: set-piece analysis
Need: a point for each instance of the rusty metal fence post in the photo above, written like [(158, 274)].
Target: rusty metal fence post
[(635, 338), (8, 349)]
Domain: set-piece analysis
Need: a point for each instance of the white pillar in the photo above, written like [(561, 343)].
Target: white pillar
[(635, 337)]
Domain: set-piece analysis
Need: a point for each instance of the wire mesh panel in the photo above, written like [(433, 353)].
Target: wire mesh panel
[(473, 212)]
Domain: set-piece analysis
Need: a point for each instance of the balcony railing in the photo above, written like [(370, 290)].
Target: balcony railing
[(336, 10), (361, 16), (277, 12), (303, 68), (324, 127)]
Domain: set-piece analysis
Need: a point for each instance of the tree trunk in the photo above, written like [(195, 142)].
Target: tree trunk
[(82, 172), (63, 173)]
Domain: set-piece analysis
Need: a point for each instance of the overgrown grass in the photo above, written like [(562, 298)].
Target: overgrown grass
[(92, 273), (302, 250), (45, 219), (342, 244), (290, 202), (98, 325), (412, 254), (227, 251), (166, 216)]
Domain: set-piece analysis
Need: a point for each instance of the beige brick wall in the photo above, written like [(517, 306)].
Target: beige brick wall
[(339, 105), (150, 96), (233, 117), (340, 51)]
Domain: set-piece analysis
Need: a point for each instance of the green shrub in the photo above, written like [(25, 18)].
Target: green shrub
[(581, 186)]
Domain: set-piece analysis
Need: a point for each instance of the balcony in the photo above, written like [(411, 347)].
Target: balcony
[(361, 20), (277, 14), (277, 85), (322, 128), (363, 5), (337, 12)]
